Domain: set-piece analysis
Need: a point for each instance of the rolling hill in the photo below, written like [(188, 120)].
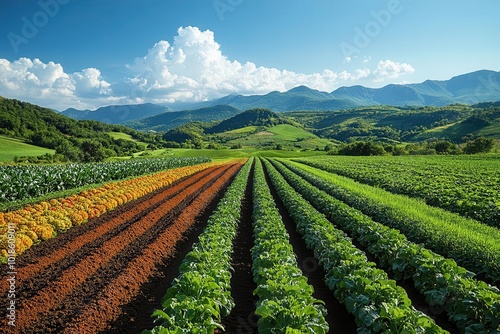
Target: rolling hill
[(387, 123), (25, 123)]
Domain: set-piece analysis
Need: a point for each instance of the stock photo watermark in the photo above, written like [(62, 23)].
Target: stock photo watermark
[(30, 26), (223, 6), (363, 36), (11, 274)]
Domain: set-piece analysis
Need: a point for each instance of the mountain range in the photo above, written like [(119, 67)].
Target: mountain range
[(471, 88)]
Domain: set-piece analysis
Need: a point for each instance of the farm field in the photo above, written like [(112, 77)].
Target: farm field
[(468, 185), (264, 245)]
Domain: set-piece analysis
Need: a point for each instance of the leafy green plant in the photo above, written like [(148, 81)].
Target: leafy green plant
[(473, 245), (377, 303), (21, 182), (467, 185), (468, 302), (286, 304)]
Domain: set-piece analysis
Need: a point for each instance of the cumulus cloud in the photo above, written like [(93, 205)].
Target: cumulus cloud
[(47, 84), (191, 68), (388, 69)]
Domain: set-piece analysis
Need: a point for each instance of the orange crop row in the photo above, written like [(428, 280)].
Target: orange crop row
[(44, 220)]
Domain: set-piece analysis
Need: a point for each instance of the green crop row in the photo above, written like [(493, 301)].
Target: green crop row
[(473, 305), (285, 302), (378, 304), (462, 184), (200, 297), (21, 182), (473, 245)]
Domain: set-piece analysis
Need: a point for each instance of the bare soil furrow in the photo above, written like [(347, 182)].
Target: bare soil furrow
[(52, 296), (100, 312), (89, 289), (93, 233)]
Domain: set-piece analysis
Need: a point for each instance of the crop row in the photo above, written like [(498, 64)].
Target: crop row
[(466, 185), (22, 182), (377, 303), (200, 297), (472, 244), (473, 305), (38, 222), (286, 304)]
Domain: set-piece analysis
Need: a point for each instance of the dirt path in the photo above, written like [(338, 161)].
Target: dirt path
[(87, 285)]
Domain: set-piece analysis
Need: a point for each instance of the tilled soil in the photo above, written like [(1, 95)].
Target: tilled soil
[(79, 281)]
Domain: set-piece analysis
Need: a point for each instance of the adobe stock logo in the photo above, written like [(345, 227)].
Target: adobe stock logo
[(223, 6), (31, 27), (372, 29)]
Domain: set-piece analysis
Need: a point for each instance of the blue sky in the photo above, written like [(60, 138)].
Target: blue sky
[(89, 53)]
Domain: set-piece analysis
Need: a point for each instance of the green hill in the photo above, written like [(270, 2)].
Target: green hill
[(385, 123), (252, 117), (284, 136), (72, 140)]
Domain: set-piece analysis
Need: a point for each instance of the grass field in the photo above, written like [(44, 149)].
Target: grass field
[(11, 148), (246, 129), (286, 135), (121, 135)]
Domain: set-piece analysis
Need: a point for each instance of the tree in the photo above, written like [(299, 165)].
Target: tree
[(362, 148), (93, 151), (69, 151), (479, 145)]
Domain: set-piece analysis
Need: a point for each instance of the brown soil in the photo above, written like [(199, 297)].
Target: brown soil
[(81, 288), (32, 264)]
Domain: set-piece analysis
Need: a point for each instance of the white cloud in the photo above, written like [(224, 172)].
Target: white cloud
[(47, 84), (389, 69), (192, 68), (347, 59), (88, 83)]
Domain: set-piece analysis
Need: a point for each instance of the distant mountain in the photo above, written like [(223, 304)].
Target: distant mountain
[(118, 114), (169, 120), (471, 88), (298, 98), (480, 86)]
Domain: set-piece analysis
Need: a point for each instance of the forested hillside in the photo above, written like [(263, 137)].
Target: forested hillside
[(73, 140)]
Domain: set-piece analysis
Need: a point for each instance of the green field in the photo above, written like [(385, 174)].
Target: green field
[(121, 135), (286, 135), (246, 129), (11, 148)]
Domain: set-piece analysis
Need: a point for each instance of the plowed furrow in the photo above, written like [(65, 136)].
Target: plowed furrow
[(92, 234), (96, 315), (49, 298), (57, 318)]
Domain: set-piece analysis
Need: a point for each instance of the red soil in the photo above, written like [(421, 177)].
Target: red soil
[(79, 285)]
